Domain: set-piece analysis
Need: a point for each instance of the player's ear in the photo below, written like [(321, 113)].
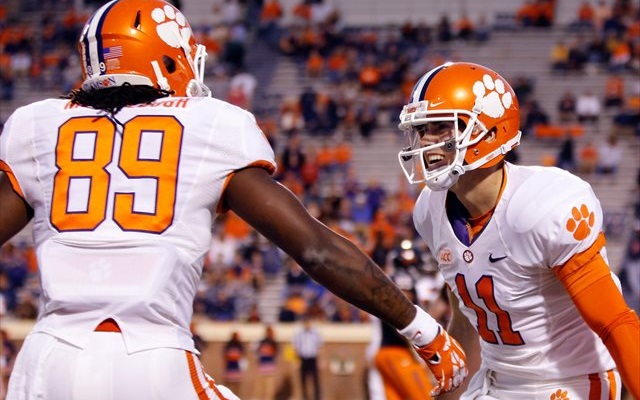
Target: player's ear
[(490, 136)]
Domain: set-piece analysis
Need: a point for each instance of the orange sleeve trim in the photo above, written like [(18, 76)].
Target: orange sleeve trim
[(12, 179), (605, 311), (220, 208), (564, 272)]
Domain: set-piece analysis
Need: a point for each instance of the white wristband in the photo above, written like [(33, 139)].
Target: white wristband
[(422, 330)]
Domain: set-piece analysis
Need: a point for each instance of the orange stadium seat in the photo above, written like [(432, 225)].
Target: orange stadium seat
[(551, 131)]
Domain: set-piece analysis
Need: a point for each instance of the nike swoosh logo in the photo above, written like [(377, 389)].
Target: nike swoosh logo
[(432, 104), (496, 259)]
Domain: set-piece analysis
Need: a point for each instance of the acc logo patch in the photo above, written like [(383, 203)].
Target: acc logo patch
[(445, 257), (467, 256)]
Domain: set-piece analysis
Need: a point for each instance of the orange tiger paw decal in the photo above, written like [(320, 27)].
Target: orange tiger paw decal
[(581, 222), (559, 395)]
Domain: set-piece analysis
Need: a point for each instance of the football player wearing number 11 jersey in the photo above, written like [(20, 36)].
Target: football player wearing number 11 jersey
[(535, 305), (123, 181)]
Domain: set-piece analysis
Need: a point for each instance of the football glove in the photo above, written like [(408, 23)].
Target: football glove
[(446, 360)]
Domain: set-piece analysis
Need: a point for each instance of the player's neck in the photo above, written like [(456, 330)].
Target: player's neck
[(479, 190)]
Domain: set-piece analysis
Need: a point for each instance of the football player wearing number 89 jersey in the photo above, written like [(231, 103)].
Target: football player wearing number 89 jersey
[(535, 305), (123, 181)]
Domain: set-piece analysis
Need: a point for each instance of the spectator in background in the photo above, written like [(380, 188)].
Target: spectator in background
[(234, 360), (577, 55), (482, 30), (533, 115), (267, 351), (629, 116), (270, 16), (559, 57), (245, 82), (585, 17), (567, 107), (307, 343), (465, 28), (620, 53), (566, 156), (526, 14), (609, 156), (601, 13), (587, 158), (444, 31), (614, 91), (588, 107), (523, 87)]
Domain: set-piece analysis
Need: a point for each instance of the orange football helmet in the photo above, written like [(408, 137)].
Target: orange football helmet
[(483, 111), (142, 42)]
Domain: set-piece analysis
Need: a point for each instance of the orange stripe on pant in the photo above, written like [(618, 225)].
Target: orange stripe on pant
[(595, 389), (199, 386)]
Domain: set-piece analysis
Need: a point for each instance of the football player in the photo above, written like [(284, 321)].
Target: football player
[(535, 304), (123, 181)]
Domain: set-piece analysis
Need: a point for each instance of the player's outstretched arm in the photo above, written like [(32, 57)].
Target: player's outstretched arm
[(14, 212), (327, 257), (340, 266), (588, 280)]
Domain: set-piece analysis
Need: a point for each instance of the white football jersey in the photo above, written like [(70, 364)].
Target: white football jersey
[(504, 280), (124, 208)]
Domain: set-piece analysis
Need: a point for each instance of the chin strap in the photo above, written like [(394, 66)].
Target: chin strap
[(162, 81), (503, 149)]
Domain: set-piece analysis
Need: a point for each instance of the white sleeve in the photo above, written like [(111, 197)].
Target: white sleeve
[(16, 152), (242, 142)]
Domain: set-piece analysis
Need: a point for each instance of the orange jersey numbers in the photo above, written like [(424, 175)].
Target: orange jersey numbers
[(485, 291), (85, 148)]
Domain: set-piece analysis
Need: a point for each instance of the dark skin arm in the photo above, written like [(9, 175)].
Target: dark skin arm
[(14, 212), (327, 257)]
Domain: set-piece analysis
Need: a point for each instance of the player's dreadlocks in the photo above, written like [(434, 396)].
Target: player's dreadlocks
[(114, 99)]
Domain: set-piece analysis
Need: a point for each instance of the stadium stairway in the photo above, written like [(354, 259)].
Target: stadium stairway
[(271, 298)]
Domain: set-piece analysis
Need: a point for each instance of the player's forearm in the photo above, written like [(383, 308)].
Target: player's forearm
[(342, 268), (624, 347)]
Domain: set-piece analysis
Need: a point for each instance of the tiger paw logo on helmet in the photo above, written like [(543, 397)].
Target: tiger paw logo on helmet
[(559, 395), (580, 222), (172, 26), (496, 101)]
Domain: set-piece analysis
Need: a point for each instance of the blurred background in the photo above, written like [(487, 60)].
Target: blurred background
[(326, 81)]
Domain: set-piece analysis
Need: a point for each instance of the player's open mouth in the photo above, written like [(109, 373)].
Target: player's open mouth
[(434, 161)]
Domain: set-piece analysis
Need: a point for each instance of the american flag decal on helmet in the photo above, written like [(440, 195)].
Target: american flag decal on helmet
[(112, 52)]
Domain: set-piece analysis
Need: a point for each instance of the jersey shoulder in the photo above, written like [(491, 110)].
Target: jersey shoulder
[(541, 194), (552, 209)]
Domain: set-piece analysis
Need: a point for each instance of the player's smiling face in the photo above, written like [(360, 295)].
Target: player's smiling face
[(433, 133)]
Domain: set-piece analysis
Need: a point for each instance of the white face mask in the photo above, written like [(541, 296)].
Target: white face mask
[(414, 159)]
